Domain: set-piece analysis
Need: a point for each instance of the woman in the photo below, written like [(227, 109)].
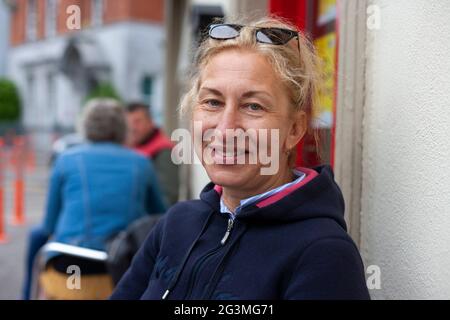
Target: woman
[(252, 235), (96, 190)]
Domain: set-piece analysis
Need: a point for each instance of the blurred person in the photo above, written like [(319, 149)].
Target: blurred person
[(149, 140), (96, 189), (252, 236)]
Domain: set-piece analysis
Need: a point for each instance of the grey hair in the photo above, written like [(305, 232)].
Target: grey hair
[(103, 120)]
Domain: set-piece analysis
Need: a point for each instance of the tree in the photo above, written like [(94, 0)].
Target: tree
[(103, 90), (10, 106)]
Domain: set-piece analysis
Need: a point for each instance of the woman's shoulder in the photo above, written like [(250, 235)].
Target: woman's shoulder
[(322, 228)]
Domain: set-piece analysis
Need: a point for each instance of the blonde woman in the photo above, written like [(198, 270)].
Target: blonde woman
[(252, 234)]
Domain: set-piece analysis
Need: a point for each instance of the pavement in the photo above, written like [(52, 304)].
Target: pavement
[(12, 253)]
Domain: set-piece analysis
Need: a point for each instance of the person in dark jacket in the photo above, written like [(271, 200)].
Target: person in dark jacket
[(149, 140), (255, 233)]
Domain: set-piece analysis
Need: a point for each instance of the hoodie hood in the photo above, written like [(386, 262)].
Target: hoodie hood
[(316, 196)]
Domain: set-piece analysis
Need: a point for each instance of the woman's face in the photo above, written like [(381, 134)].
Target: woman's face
[(239, 90)]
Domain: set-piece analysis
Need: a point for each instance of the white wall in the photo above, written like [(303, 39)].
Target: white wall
[(4, 36), (406, 159), (135, 50), (38, 59)]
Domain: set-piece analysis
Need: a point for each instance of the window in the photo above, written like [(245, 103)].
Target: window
[(147, 90), (97, 13), (31, 20), (50, 18)]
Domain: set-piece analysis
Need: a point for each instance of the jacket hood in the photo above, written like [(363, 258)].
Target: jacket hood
[(316, 196)]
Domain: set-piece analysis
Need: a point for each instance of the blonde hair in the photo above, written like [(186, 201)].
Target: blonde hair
[(299, 71)]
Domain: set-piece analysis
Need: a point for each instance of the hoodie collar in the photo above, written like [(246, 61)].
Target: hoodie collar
[(317, 195), (268, 195)]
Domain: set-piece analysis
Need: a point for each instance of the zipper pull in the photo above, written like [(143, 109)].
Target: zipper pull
[(227, 233), (164, 297)]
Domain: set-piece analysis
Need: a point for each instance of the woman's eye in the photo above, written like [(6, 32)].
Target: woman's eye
[(212, 103), (254, 107)]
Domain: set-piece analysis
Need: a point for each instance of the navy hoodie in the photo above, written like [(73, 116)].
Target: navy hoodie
[(292, 245)]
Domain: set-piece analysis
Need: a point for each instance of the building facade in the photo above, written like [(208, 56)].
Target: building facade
[(62, 49)]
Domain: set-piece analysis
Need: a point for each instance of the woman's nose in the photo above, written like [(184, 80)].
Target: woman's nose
[(229, 119)]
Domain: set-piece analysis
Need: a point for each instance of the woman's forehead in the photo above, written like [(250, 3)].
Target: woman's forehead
[(236, 67), (239, 60)]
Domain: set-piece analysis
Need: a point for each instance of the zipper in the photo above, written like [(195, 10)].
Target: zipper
[(227, 233), (199, 264), (216, 276)]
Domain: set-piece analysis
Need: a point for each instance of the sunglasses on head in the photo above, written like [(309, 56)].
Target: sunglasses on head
[(275, 36)]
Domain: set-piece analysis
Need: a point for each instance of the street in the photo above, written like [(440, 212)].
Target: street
[(12, 254)]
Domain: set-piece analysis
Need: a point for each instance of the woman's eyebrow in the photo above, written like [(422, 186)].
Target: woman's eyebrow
[(252, 93), (247, 94), (212, 90)]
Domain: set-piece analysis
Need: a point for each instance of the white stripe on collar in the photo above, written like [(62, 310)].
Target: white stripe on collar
[(249, 201)]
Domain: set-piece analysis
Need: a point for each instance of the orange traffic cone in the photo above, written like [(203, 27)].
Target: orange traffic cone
[(3, 238), (19, 185)]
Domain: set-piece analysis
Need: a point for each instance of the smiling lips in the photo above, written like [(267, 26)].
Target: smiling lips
[(221, 155)]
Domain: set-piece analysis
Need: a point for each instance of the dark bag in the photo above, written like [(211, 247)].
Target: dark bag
[(122, 248)]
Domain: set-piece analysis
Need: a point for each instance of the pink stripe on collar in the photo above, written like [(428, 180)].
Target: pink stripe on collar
[(310, 174), (218, 189)]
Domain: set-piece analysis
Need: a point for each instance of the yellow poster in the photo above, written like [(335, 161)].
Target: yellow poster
[(327, 11), (326, 48)]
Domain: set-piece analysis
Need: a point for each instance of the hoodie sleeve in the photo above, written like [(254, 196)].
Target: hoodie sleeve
[(135, 281), (329, 269)]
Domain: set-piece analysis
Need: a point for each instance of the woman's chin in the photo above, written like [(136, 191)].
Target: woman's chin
[(230, 175)]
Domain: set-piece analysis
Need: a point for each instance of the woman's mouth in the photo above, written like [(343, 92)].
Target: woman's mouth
[(227, 157)]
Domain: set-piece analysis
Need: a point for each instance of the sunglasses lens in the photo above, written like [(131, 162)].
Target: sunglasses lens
[(274, 36), (223, 32)]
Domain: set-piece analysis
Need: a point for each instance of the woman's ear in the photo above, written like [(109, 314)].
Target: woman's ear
[(298, 129)]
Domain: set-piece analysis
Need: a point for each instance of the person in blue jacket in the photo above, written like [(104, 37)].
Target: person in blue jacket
[(96, 189), (255, 232)]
